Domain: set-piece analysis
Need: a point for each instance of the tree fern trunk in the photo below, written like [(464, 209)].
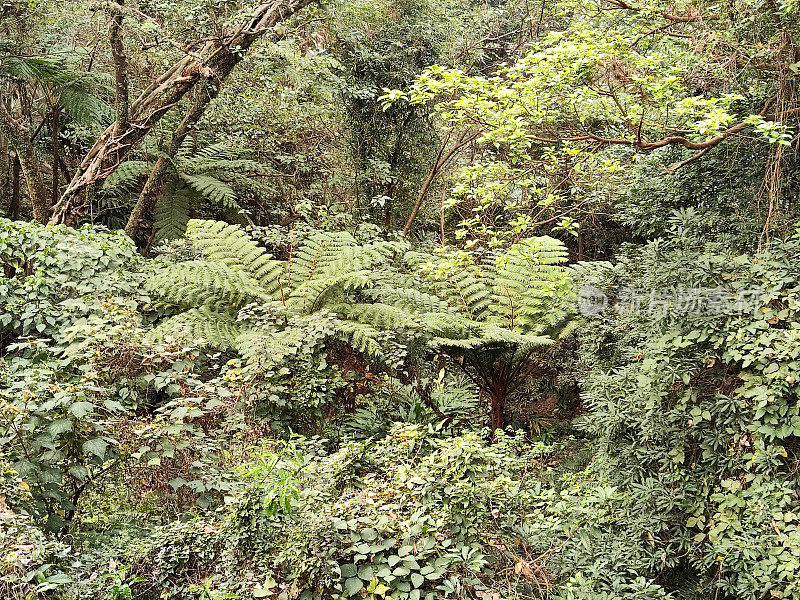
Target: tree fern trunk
[(497, 404), (19, 139), (498, 392), (5, 171)]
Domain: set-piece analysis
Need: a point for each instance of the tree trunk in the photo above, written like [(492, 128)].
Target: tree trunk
[(40, 200), (116, 41), (13, 208), (20, 140), (498, 392), (55, 124), (5, 171), (214, 62)]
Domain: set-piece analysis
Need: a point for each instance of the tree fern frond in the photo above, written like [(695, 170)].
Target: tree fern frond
[(84, 107), (408, 299), (224, 167), (212, 189), (216, 151), (213, 286), (230, 245), (321, 253), (362, 337), (381, 316), (311, 295), (527, 280), (34, 68), (200, 326), (173, 210), (126, 176)]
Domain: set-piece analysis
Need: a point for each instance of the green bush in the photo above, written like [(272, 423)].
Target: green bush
[(696, 423)]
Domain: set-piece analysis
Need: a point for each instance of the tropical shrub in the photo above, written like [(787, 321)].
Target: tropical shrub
[(694, 410), (54, 276)]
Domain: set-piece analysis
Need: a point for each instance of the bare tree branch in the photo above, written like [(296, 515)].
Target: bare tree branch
[(442, 159)]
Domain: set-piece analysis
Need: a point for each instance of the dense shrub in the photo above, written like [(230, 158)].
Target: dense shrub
[(694, 411)]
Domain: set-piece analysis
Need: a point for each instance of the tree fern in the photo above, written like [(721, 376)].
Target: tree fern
[(505, 311), (79, 93), (208, 175), (494, 316)]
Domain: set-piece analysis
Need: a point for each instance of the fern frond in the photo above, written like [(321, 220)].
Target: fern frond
[(224, 167), (362, 337), (313, 294), (218, 151), (209, 285), (230, 245), (409, 299), (200, 326), (34, 68), (126, 176), (321, 254), (381, 316), (173, 210), (84, 107), (528, 279), (212, 189)]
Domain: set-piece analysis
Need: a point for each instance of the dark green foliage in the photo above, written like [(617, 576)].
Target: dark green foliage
[(391, 148), (695, 416), (211, 175), (78, 93), (721, 192), (53, 276)]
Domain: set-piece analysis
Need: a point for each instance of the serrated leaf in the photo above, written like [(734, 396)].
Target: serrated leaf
[(96, 446), (353, 585)]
